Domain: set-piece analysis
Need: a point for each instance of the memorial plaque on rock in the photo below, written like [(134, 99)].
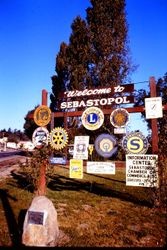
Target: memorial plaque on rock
[(35, 217)]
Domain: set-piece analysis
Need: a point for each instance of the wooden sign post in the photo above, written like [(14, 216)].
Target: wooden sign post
[(42, 177), (154, 125)]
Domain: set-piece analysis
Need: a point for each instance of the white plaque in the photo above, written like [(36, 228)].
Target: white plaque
[(153, 107), (100, 167)]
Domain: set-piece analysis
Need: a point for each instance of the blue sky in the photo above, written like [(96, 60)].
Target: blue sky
[(31, 32)]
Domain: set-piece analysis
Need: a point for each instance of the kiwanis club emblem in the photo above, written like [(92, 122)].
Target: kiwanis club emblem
[(92, 118), (42, 115)]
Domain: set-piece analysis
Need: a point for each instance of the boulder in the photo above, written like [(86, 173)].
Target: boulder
[(40, 225)]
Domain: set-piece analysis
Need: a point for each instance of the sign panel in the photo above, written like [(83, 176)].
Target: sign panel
[(76, 168), (98, 91), (81, 144), (35, 217), (142, 170), (105, 145), (135, 143), (92, 118), (58, 160), (119, 130), (95, 167), (119, 117), (42, 115), (153, 107), (40, 137), (58, 138), (107, 102)]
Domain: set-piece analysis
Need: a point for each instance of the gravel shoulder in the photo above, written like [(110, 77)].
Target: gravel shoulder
[(9, 164)]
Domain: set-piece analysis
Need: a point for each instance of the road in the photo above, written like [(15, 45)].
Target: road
[(9, 161), (10, 152)]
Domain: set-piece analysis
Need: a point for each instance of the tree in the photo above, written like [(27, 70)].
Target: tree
[(160, 196), (29, 125), (161, 89), (108, 35), (162, 122), (97, 53)]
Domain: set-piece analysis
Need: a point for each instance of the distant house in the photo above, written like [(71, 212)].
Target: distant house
[(27, 145)]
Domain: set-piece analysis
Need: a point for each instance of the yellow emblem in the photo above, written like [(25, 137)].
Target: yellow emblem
[(119, 117), (42, 115), (58, 138)]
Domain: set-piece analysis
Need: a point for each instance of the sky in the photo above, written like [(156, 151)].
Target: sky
[(31, 32)]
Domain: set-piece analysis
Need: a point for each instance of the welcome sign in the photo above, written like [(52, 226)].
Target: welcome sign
[(111, 92)]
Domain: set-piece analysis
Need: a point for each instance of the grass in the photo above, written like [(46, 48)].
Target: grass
[(98, 210)]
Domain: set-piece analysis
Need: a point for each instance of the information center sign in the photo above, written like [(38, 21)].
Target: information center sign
[(142, 170)]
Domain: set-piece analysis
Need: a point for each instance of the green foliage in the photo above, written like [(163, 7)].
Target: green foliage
[(31, 169), (161, 89), (29, 125), (13, 135), (108, 35), (97, 53)]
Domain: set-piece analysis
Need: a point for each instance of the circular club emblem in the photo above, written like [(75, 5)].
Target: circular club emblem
[(105, 145), (40, 137), (42, 115), (58, 138), (119, 117), (92, 118), (135, 143)]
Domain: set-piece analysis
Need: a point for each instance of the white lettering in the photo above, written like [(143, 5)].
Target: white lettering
[(75, 104), (103, 101), (63, 105), (125, 99), (94, 102), (87, 92), (110, 100), (82, 104), (89, 103), (118, 89), (69, 105), (91, 118), (118, 100)]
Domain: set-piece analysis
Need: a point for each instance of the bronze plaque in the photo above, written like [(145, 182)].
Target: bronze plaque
[(35, 217)]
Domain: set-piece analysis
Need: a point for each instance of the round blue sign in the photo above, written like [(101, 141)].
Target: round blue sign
[(92, 118), (106, 145)]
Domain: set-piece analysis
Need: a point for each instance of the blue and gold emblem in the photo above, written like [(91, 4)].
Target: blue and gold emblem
[(92, 118), (135, 143)]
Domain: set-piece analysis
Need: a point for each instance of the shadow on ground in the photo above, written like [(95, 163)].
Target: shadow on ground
[(14, 228), (60, 183)]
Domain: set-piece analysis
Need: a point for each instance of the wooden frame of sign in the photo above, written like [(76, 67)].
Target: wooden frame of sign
[(106, 111)]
